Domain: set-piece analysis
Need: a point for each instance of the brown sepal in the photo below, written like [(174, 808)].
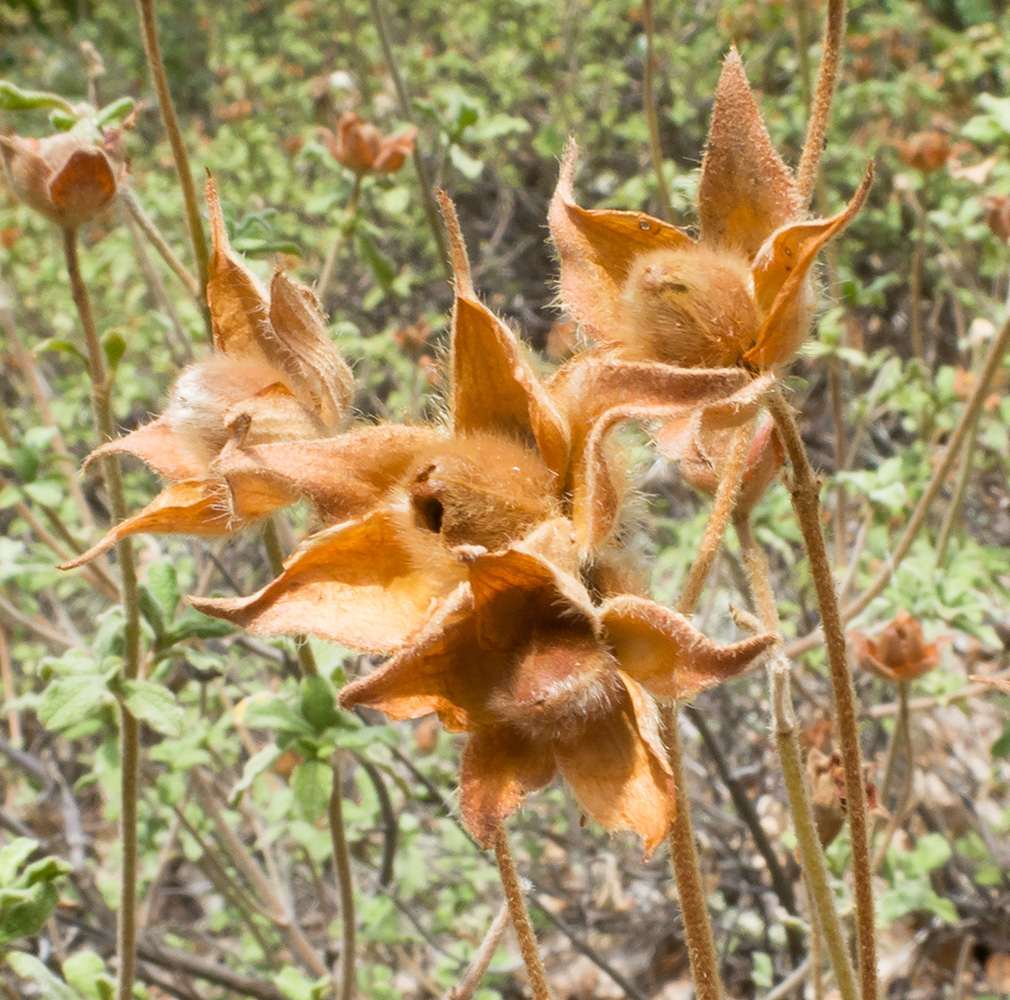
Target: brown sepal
[(596, 250), (157, 445), (746, 192)]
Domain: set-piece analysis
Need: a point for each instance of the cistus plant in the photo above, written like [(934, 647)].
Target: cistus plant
[(480, 565)]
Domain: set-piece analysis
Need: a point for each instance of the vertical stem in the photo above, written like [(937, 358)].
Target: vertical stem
[(820, 109), (683, 852), (806, 506), (825, 921), (156, 67), (126, 931), (520, 918), (649, 104), (7, 687), (403, 99), (345, 884), (901, 743)]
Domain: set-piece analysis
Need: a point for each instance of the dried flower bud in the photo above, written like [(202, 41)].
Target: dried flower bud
[(925, 151), (65, 177), (900, 652), (363, 149), (826, 777), (997, 216)]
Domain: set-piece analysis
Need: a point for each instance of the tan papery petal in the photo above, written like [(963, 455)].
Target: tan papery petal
[(239, 308), (443, 670), (494, 387), (746, 192), (620, 779), (273, 414), (596, 250), (500, 767), (780, 273), (84, 184), (357, 584), (305, 350), (344, 476), (157, 445), (190, 507), (27, 173), (664, 653)]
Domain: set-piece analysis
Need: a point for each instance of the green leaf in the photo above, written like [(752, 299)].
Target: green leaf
[(196, 625), (310, 783), (318, 704), (470, 168), (24, 911), (13, 856), (277, 715), (46, 492), (70, 699), (930, 852), (254, 766), (154, 705), (30, 968), (83, 970)]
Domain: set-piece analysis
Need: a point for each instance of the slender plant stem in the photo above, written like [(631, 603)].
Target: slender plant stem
[(806, 506), (825, 917), (649, 106), (467, 986), (7, 687), (403, 99), (129, 734), (960, 488), (520, 918), (820, 109), (722, 510), (156, 67), (901, 743), (160, 244), (962, 432), (350, 215), (342, 863)]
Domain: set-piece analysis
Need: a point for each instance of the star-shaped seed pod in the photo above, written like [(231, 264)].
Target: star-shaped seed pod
[(516, 454), (899, 653), (741, 293), (275, 376), (68, 177), (544, 681)]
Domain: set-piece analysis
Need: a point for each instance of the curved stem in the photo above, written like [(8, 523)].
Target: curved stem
[(825, 917), (820, 109), (520, 918), (806, 506), (467, 986), (156, 67), (101, 392), (345, 884), (649, 106)]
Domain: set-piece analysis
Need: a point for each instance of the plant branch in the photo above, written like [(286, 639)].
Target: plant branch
[(350, 216), (403, 99), (467, 986), (347, 981), (156, 67), (820, 109), (129, 749), (520, 918), (160, 244), (806, 505)]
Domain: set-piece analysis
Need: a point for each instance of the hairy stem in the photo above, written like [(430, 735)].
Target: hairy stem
[(129, 750), (806, 505), (820, 109), (520, 918), (403, 99), (649, 106), (467, 986), (901, 743), (342, 864), (156, 67)]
